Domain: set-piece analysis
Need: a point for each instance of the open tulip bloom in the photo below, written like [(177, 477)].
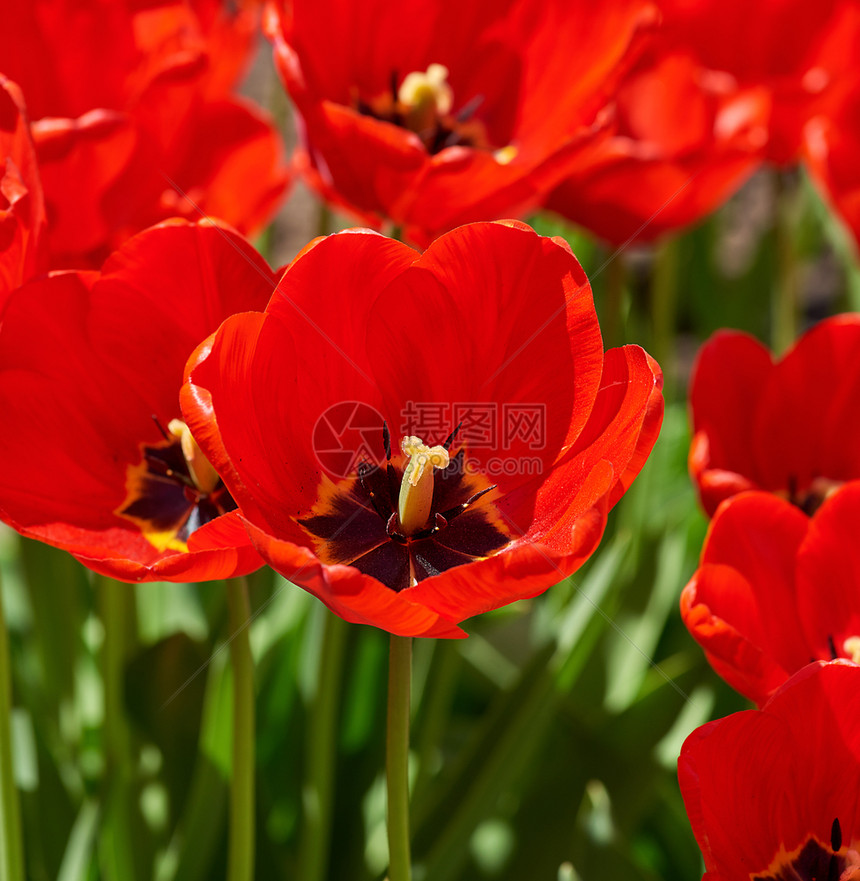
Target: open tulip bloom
[(432, 114), (783, 426), (772, 794), (417, 438), (90, 371)]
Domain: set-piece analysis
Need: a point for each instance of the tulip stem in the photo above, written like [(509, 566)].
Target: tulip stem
[(322, 752), (397, 757), (241, 841), (11, 849), (786, 299), (116, 603), (664, 302)]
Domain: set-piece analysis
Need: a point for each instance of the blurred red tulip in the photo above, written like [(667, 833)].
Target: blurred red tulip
[(98, 460), (682, 142), (434, 114), (832, 150), (799, 53), (132, 124), (408, 536), (22, 205)]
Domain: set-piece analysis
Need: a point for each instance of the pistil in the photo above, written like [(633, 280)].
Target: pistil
[(200, 469), (425, 97), (416, 487)]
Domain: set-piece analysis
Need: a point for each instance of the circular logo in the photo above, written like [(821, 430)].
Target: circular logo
[(345, 435)]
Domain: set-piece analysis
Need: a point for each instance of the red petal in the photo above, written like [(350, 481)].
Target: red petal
[(353, 596), (828, 572), (728, 381), (759, 782), (741, 605), (22, 204)]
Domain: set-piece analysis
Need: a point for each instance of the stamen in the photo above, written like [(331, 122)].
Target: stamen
[(450, 439), (836, 835), (205, 477), (832, 646), (416, 487), (425, 95), (851, 647)]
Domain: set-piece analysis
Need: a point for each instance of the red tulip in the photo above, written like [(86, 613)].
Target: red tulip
[(131, 123), (798, 53), (22, 206), (772, 793), (97, 460), (418, 438), (832, 147), (776, 589), (783, 426), (681, 143), (434, 114)]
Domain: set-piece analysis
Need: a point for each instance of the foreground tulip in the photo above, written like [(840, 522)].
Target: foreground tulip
[(772, 794), (132, 122), (419, 438), (680, 145), (776, 589), (786, 427), (22, 205), (97, 459), (474, 115)]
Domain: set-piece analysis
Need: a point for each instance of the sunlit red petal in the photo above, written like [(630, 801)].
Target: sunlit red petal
[(22, 204), (741, 605), (763, 781), (90, 367)]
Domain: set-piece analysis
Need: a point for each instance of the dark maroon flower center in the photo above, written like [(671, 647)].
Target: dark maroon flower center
[(810, 498), (356, 523), (425, 111), (818, 862), (163, 498)]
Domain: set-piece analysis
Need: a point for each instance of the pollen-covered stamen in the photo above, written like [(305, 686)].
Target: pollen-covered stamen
[(205, 477), (851, 647), (423, 98), (416, 487)]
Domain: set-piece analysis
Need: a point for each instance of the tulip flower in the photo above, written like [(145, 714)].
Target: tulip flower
[(486, 433), (99, 462)]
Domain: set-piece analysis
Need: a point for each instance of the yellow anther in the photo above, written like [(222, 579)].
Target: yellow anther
[(205, 477), (425, 97), (851, 647), (427, 89), (416, 488), (505, 155)]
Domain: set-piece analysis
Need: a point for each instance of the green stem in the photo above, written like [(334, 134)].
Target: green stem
[(116, 602), (397, 758), (11, 849), (786, 301), (241, 841), (324, 220), (322, 753), (664, 303)]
